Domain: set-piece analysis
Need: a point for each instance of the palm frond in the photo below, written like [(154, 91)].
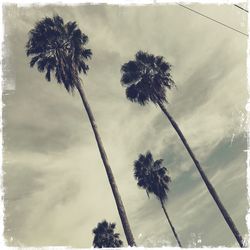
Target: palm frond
[(152, 175), (104, 236), (47, 76), (59, 48), (146, 78)]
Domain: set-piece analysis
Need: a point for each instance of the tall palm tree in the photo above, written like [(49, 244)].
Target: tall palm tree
[(152, 176), (59, 48), (105, 236), (146, 80)]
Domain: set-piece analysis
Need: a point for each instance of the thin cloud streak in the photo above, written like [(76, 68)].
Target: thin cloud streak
[(56, 189)]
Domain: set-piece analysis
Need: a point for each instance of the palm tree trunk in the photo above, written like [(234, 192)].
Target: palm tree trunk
[(210, 187), (172, 227), (118, 200)]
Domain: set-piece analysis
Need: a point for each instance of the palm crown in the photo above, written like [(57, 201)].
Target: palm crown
[(146, 78), (59, 48), (152, 175), (105, 236)]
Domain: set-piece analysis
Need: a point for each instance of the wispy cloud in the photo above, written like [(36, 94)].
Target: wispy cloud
[(56, 187)]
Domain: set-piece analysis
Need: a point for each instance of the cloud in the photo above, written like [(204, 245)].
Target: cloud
[(56, 189)]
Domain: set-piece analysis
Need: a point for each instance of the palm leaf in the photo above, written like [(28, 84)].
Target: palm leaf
[(146, 78), (152, 175), (59, 48)]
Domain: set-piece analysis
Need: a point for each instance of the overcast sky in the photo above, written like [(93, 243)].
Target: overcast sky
[(56, 189)]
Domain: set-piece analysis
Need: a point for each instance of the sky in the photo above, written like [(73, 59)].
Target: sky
[(56, 188)]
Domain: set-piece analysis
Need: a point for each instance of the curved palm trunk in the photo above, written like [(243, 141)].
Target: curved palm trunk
[(210, 187), (119, 204), (172, 227)]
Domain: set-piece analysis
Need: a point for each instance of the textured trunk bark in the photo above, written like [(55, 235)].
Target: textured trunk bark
[(210, 187), (172, 227), (119, 204)]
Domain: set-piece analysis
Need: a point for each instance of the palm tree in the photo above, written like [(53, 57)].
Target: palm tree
[(146, 80), (105, 236), (152, 176), (59, 48)]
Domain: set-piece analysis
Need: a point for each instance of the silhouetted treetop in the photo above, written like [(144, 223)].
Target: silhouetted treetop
[(152, 175), (59, 48), (146, 78), (105, 236)]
